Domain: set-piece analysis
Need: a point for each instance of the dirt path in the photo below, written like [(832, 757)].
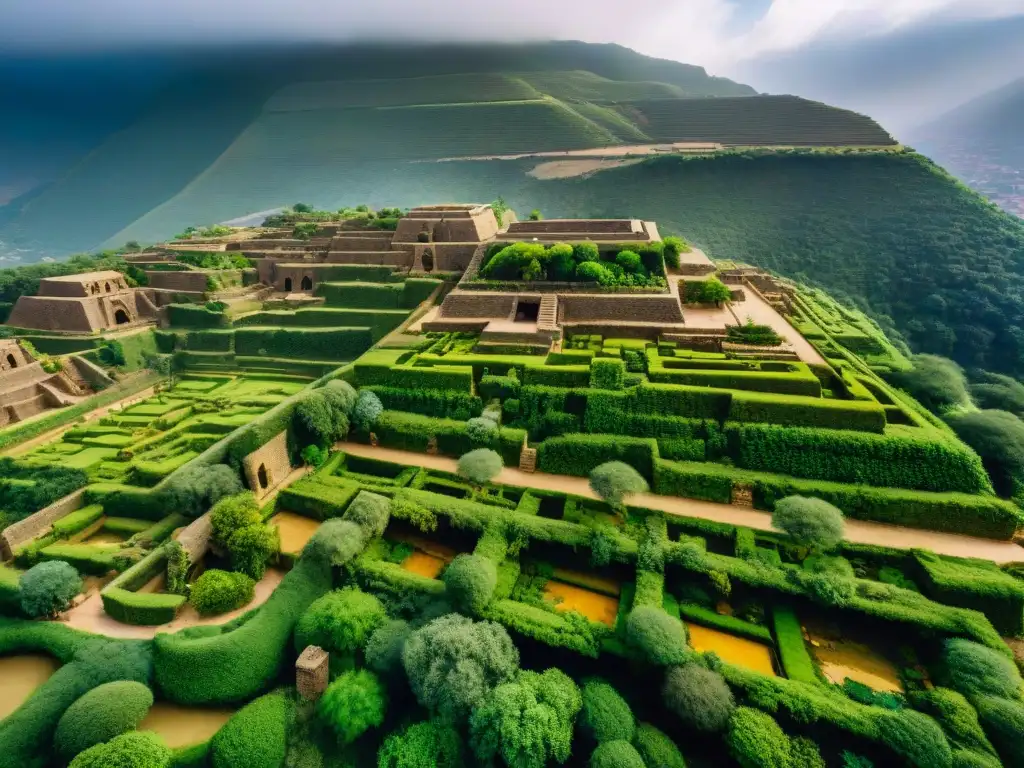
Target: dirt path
[(53, 434), (762, 313), (857, 531), (90, 617)]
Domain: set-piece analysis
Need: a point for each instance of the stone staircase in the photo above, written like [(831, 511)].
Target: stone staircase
[(528, 460), (547, 315)]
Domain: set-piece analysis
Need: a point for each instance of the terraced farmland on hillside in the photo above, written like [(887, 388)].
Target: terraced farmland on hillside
[(754, 121), (437, 89), (586, 86)]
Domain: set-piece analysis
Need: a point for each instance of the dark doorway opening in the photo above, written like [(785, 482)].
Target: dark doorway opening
[(121, 317), (307, 284), (527, 311), (11, 361), (288, 284), (261, 476), (428, 260)]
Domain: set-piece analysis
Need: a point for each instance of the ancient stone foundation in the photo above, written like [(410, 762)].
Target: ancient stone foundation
[(312, 672)]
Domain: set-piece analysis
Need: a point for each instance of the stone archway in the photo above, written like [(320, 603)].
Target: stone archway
[(288, 284), (106, 287), (307, 283), (12, 361), (428, 260), (121, 317), (262, 477)]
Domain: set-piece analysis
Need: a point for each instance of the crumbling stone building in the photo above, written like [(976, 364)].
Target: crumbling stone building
[(27, 390), (85, 303)]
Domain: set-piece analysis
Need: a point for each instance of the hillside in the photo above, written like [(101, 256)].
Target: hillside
[(255, 132), (983, 143)]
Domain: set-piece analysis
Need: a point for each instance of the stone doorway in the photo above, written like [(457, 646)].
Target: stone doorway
[(121, 317), (261, 476), (428, 260), (288, 284), (307, 284), (11, 361)]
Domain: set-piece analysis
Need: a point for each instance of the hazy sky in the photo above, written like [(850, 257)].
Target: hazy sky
[(828, 49)]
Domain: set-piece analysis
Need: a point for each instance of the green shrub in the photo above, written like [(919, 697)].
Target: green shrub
[(233, 513), (371, 512), (481, 652), (658, 637), (430, 744), (974, 669), (340, 344), (956, 716), (916, 738), (607, 373), (140, 608), (605, 715), (656, 749), (239, 663), (975, 584), (438, 403), (699, 697), (998, 437), (793, 655), (252, 548), (340, 622), (616, 754), (217, 592), (320, 420), (613, 481), (470, 581), (810, 522), (101, 714), (481, 431), (352, 704), (480, 466), (192, 316), (48, 588), (936, 382), (383, 649), (137, 749), (757, 741), (1003, 720), (548, 702), (78, 520), (196, 488), (255, 736), (579, 454)]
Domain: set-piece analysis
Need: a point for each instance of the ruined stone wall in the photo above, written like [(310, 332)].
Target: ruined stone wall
[(36, 525), (19, 383), (12, 357), (387, 258), (492, 305), (195, 539), (620, 307), (54, 314), (178, 281), (267, 467)]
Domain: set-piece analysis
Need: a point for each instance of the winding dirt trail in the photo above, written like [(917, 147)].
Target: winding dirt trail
[(857, 531)]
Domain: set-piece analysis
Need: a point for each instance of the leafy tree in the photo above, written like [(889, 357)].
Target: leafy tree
[(233, 513), (302, 208), (536, 215), (312, 456), (500, 208), (453, 663), (972, 668), (561, 263), (252, 548), (699, 697), (616, 754), (48, 588), (195, 488), (101, 714), (470, 581), (916, 738), (430, 744), (367, 410), (805, 754), (137, 749), (1003, 720), (335, 542), (630, 261), (997, 392), (221, 591), (606, 716), (383, 650), (659, 637), (320, 418), (340, 622), (528, 721), (594, 272), (480, 466), (812, 522), (482, 431), (371, 512), (938, 383), (352, 704), (757, 741), (656, 749), (998, 438), (341, 395), (613, 481)]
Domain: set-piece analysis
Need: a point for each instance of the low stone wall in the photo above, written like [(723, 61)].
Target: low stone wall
[(268, 466), (195, 539), (177, 281), (492, 305), (35, 525), (384, 258), (625, 307)]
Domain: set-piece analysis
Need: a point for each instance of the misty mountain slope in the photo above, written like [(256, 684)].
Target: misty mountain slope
[(982, 142)]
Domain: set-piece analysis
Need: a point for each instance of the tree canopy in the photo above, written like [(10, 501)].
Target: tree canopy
[(812, 522), (480, 466), (613, 481)]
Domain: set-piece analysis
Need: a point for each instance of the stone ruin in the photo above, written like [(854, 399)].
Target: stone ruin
[(312, 672), (86, 303), (27, 390)]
